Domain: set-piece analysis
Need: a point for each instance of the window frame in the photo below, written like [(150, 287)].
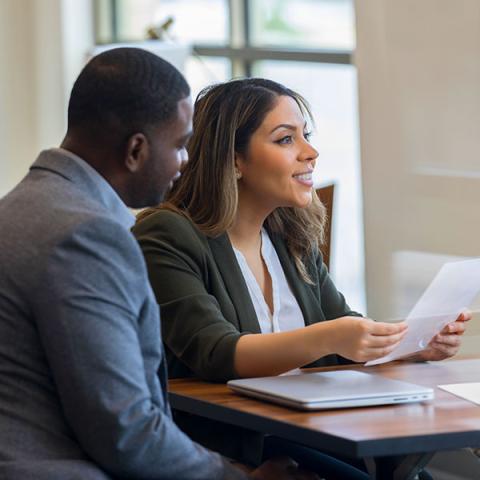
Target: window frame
[(239, 50)]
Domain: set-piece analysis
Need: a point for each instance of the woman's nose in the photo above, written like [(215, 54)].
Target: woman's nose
[(310, 153)]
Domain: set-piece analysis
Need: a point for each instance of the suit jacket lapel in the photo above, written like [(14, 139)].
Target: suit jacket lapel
[(308, 302), (235, 283)]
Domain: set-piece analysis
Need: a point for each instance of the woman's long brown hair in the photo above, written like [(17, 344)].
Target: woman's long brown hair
[(225, 117)]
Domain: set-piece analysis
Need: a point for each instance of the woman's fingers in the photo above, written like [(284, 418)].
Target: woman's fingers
[(383, 328), (363, 339), (465, 316), (381, 341), (442, 346), (379, 347), (441, 339), (377, 339), (374, 353), (457, 328), (440, 351)]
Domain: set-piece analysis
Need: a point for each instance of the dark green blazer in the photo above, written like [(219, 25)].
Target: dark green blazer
[(204, 301)]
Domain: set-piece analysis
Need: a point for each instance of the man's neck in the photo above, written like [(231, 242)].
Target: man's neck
[(99, 158)]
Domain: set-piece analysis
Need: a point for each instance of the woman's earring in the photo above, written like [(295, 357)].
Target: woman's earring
[(238, 174)]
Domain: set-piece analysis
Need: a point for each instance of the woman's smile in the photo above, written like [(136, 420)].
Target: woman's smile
[(305, 178)]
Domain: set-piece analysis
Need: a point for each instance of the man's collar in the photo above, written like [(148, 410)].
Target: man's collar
[(84, 176)]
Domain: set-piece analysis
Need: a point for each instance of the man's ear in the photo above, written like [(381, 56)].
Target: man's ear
[(137, 152)]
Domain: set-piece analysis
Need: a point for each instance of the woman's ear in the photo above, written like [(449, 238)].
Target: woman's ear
[(239, 162), (137, 152)]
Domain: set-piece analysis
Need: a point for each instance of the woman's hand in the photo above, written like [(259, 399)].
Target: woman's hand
[(446, 343), (361, 339), (356, 338)]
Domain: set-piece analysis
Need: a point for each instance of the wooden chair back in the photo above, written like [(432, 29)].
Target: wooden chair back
[(326, 196)]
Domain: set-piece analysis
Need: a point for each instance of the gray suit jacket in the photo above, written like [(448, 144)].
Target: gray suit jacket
[(80, 344)]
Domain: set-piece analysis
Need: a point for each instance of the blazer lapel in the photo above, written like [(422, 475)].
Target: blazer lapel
[(308, 302), (234, 283)]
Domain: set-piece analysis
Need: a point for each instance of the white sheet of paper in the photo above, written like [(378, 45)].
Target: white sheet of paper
[(451, 291), (468, 391)]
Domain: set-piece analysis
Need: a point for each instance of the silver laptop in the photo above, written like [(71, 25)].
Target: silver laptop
[(336, 389)]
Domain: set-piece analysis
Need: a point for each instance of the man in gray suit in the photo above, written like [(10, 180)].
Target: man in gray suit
[(82, 368)]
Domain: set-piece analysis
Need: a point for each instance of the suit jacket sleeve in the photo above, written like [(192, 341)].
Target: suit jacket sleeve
[(94, 295), (193, 325)]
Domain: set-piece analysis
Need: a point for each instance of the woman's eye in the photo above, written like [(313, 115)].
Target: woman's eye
[(307, 136), (285, 140)]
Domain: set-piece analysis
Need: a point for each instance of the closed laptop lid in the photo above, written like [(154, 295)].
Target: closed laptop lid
[(334, 389)]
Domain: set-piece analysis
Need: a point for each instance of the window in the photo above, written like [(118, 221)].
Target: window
[(304, 44), (324, 24)]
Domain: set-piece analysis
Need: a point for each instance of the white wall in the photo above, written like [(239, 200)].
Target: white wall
[(42, 49), (419, 93), (17, 132)]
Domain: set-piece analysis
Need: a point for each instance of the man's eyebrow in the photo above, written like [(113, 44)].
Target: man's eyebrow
[(287, 126)]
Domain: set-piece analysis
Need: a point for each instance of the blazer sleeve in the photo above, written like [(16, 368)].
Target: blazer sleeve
[(193, 325), (94, 290)]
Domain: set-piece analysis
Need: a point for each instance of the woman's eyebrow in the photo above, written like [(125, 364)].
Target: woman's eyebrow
[(284, 125), (288, 127)]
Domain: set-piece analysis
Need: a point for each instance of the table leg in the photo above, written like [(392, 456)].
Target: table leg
[(402, 467)]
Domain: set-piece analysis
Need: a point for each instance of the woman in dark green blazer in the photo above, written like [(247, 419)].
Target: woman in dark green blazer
[(248, 183), (250, 170), (205, 303)]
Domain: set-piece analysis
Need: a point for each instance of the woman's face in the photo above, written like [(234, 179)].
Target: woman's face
[(278, 164)]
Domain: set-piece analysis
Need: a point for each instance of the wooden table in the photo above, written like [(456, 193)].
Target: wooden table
[(395, 440)]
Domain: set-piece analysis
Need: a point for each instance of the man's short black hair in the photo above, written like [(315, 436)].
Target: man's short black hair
[(124, 91)]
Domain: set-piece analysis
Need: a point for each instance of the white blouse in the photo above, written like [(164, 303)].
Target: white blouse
[(286, 311)]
